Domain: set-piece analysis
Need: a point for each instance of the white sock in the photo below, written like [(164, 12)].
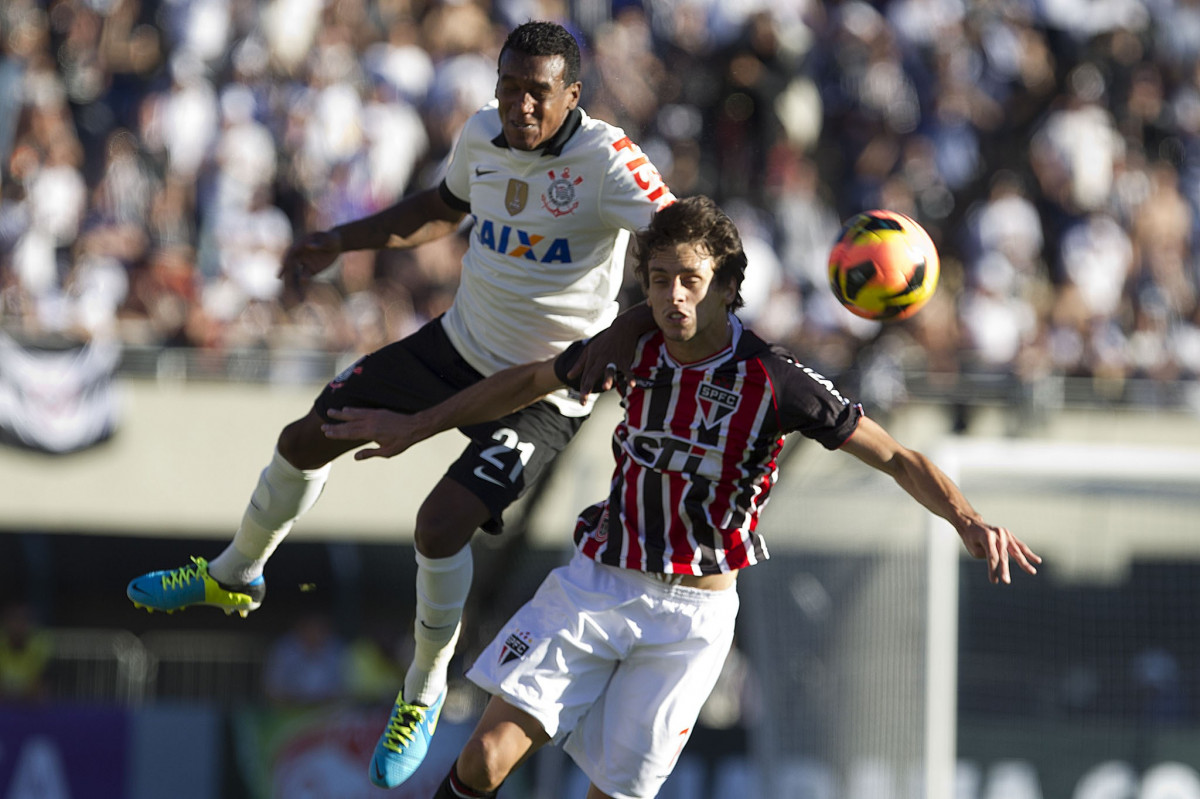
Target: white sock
[(283, 494), (442, 588)]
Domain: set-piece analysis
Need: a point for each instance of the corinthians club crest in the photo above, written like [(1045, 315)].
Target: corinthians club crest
[(559, 198)]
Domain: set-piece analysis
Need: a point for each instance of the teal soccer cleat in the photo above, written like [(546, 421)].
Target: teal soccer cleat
[(405, 742), (176, 589)]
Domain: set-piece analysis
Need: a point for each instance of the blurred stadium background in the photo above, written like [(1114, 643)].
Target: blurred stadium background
[(159, 155)]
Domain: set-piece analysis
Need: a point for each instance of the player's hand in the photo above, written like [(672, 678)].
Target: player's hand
[(998, 546), (309, 256), (391, 432), (604, 358)]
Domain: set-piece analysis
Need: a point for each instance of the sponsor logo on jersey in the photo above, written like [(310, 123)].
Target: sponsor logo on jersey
[(824, 381), (515, 196), (515, 647), (715, 403), (644, 173), (559, 198), (517, 243), (669, 454)]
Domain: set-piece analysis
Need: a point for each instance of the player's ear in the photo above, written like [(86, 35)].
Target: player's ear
[(729, 292)]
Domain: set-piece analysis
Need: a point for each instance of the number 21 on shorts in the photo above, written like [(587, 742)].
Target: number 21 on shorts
[(500, 455)]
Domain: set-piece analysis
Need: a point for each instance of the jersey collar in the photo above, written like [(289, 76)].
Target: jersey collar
[(554, 145), (736, 328)]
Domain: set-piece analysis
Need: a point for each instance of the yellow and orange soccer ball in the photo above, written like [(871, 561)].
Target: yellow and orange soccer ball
[(884, 266)]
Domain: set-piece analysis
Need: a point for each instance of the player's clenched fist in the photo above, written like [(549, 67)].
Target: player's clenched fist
[(310, 256)]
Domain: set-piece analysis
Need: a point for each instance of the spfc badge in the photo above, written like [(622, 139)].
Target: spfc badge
[(515, 647), (515, 197), (715, 403)]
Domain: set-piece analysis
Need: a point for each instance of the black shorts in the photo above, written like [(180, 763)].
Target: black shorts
[(503, 458)]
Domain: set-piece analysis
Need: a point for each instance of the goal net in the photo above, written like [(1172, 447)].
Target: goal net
[(890, 668)]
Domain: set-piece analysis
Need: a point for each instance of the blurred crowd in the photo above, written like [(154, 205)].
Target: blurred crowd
[(159, 156)]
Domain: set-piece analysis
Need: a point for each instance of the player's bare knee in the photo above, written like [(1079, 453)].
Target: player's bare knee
[(441, 535), (480, 767), (304, 446)]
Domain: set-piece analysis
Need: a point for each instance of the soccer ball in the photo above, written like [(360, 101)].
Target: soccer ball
[(884, 266)]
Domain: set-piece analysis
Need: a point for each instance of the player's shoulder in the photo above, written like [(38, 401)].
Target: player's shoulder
[(483, 125), (628, 171), (780, 362), (604, 140), (751, 346)]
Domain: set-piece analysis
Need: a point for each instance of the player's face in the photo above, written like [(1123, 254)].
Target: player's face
[(689, 307), (534, 101)]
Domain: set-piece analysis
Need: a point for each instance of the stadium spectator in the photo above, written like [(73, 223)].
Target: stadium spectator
[(308, 665), (917, 104), (25, 651)]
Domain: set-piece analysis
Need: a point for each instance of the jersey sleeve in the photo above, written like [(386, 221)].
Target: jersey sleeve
[(633, 187), (809, 403), (456, 185)]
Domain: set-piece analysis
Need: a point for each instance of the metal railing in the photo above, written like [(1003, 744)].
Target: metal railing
[(117, 667)]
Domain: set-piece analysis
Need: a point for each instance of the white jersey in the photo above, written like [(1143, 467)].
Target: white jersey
[(547, 250)]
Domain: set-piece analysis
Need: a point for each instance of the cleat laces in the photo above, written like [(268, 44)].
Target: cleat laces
[(184, 575), (402, 726)]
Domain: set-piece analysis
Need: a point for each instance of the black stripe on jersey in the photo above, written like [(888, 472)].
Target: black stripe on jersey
[(654, 526), (660, 401), (696, 500)]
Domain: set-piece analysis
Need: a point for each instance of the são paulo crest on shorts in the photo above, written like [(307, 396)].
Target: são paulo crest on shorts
[(516, 646)]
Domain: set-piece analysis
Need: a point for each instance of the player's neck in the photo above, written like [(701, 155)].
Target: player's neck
[(704, 344)]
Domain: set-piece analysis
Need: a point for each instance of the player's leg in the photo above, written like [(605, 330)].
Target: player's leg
[(447, 520), (504, 457), (502, 460), (407, 375), (503, 739), (287, 488)]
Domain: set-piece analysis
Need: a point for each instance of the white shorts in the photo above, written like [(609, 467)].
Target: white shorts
[(616, 661)]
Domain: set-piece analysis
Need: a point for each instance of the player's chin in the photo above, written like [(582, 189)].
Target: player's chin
[(520, 137)]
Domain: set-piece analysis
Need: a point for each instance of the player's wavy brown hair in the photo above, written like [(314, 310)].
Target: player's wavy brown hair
[(695, 220), (546, 39)]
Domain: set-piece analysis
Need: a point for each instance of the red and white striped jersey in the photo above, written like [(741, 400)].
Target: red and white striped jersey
[(697, 454)]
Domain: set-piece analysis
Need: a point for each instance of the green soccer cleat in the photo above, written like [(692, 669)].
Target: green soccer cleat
[(404, 743), (186, 586)]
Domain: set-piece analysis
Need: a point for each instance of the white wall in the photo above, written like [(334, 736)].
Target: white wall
[(187, 455)]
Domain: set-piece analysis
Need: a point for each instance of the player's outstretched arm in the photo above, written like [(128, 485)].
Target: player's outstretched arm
[(414, 220), (493, 398), (930, 486), (611, 350)]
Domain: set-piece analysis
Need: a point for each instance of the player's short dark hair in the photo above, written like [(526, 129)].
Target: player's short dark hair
[(546, 39), (695, 220)]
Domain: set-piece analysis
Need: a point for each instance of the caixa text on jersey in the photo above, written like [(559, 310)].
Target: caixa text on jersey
[(518, 243)]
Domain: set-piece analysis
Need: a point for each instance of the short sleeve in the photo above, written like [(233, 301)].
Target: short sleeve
[(809, 403), (457, 181), (633, 189)]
